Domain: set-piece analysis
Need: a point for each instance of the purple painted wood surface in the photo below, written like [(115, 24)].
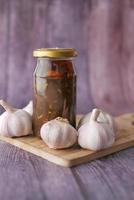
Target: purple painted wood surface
[(111, 55), (26, 25), (24, 176), (103, 33)]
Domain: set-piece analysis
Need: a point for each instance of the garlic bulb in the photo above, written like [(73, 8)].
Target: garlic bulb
[(103, 117), (95, 135), (14, 122), (58, 134), (29, 108)]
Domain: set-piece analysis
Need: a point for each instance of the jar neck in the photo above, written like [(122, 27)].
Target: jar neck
[(49, 59)]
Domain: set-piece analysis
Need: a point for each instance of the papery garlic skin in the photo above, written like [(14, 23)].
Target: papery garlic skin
[(91, 138), (58, 134), (103, 117), (95, 135), (29, 108), (14, 122)]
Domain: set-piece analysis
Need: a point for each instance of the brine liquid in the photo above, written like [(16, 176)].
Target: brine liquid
[(53, 97)]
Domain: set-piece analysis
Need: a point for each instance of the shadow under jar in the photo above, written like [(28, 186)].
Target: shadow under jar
[(54, 86)]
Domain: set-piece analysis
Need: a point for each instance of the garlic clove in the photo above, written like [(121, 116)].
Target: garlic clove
[(14, 122), (95, 135), (29, 108), (58, 134)]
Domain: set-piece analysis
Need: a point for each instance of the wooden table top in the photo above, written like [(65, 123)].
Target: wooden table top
[(25, 176)]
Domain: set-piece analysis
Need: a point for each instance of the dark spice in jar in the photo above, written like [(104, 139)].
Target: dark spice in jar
[(54, 90)]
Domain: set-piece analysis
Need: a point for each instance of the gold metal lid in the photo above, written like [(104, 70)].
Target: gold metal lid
[(55, 52)]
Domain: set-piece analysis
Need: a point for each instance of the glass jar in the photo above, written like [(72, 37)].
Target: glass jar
[(54, 86)]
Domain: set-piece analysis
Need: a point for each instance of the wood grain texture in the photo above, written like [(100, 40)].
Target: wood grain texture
[(4, 34), (26, 26), (24, 176), (111, 54), (76, 155), (101, 31), (108, 178)]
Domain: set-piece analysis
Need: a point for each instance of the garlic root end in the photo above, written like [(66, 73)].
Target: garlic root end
[(7, 107)]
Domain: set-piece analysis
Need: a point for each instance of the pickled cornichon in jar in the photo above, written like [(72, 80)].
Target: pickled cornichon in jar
[(54, 86)]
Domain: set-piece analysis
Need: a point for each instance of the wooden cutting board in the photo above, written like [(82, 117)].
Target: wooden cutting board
[(76, 155)]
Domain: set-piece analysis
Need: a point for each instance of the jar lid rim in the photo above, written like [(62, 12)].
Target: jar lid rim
[(55, 52)]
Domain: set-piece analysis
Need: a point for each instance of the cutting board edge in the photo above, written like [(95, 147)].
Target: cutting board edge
[(42, 154), (64, 161), (101, 154)]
